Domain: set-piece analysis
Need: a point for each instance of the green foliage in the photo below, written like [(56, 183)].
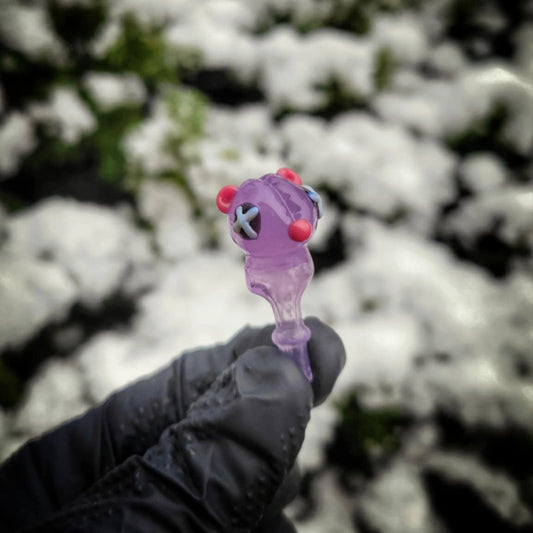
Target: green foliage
[(365, 436), (104, 145), (140, 49), (230, 154), (106, 141), (339, 98), (143, 51), (384, 68), (187, 109)]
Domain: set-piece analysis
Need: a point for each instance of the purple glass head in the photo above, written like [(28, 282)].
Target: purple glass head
[(272, 219), (270, 215)]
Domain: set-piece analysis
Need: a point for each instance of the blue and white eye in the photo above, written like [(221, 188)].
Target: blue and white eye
[(247, 221), (315, 198)]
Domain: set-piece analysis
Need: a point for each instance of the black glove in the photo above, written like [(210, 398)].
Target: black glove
[(207, 444)]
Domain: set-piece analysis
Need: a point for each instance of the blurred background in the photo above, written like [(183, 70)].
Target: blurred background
[(119, 122)]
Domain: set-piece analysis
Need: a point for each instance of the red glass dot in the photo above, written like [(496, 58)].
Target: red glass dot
[(225, 197), (290, 175), (300, 230)]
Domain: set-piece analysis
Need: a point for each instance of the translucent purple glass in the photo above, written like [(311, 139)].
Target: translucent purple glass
[(272, 219)]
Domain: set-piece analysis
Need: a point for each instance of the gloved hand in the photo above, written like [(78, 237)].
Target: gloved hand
[(207, 444)]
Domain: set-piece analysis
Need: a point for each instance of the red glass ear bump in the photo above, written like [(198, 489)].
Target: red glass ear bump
[(225, 197), (300, 230), (289, 175)]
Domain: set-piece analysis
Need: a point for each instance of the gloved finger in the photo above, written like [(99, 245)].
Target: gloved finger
[(137, 415), (326, 351), (219, 468), (327, 357)]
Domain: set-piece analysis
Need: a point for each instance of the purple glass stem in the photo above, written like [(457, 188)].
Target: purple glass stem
[(281, 280)]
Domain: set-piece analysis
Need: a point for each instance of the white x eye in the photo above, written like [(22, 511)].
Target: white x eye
[(246, 216)]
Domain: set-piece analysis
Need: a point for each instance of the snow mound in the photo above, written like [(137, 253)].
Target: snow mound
[(34, 293), (95, 246)]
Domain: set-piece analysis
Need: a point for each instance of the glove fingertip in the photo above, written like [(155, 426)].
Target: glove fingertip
[(266, 371), (327, 356)]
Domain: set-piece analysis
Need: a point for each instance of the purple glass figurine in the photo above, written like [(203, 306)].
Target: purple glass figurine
[(272, 219)]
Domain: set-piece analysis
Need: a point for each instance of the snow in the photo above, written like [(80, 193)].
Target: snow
[(17, 139), (238, 146), (217, 44), (333, 509), (105, 38), (510, 208), (66, 114), (184, 310), (494, 487), (144, 145), (447, 58), (113, 90), (454, 302), (27, 28), (169, 211), (34, 293), (376, 166), (403, 35), (446, 107), (383, 348), (420, 114), (153, 12), (292, 67), (399, 491), (56, 395), (93, 245), (475, 390), (501, 83), (481, 172), (247, 128), (317, 435), (437, 108)]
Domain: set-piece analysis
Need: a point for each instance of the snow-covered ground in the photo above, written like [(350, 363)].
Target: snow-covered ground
[(398, 298)]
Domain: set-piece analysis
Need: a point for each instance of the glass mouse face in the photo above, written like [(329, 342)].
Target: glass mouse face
[(272, 214)]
